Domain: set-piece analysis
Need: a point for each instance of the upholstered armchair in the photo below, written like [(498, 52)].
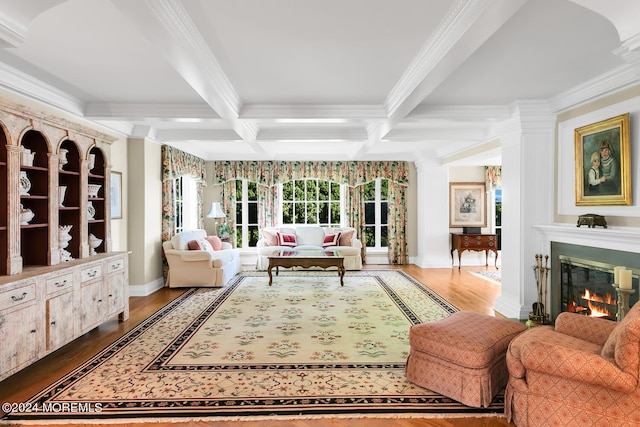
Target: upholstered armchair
[(583, 372)]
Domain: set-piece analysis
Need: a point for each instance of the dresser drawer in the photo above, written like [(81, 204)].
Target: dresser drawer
[(17, 296), (115, 265), (91, 273), (59, 283)]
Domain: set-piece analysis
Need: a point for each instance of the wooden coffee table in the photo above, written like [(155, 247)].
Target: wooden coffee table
[(306, 258)]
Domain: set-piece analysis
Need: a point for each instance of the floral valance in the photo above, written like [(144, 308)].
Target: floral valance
[(493, 176), (268, 173), (176, 163)]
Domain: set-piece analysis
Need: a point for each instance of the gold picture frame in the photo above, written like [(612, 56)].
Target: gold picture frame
[(603, 163), (467, 204)]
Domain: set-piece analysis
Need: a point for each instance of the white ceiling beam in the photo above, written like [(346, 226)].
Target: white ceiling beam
[(171, 31)]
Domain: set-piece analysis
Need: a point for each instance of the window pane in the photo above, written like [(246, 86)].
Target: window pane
[(287, 191), (299, 213), (287, 213), (238, 213), (238, 237), (253, 235), (384, 211), (312, 190), (238, 189), (252, 191), (384, 189), (370, 236), (323, 190), (335, 213), (384, 236), (253, 213), (369, 213), (323, 215), (370, 191), (335, 191), (299, 190), (312, 213), (498, 214)]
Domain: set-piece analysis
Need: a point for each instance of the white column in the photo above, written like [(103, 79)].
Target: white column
[(528, 167), (433, 215)]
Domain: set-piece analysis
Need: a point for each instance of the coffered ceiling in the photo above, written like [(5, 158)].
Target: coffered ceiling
[(423, 80)]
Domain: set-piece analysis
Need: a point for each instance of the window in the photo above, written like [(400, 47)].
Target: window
[(311, 201), (246, 213), (185, 203), (376, 195)]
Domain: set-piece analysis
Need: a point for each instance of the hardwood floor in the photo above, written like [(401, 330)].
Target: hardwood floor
[(462, 289)]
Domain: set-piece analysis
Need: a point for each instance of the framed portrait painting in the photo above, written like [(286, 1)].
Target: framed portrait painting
[(467, 204), (603, 163)]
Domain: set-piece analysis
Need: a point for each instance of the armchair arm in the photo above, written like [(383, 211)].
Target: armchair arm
[(356, 243), (563, 362), (592, 329)]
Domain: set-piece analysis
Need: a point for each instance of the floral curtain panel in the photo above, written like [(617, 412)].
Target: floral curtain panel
[(493, 177), (175, 164), (268, 174)]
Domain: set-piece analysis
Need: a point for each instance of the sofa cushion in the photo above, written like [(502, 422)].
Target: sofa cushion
[(331, 240), (345, 236), (215, 242), (270, 237), (287, 239), (200, 245), (310, 235)]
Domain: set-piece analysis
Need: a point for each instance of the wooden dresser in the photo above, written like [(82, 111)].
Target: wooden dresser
[(474, 242)]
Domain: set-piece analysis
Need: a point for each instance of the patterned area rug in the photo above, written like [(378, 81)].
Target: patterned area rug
[(305, 345), (492, 276)]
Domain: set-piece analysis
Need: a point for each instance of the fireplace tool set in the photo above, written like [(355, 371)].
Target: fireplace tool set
[(538, 315)]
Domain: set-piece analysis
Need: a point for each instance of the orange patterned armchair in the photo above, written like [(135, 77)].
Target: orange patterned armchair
[(583, 372)]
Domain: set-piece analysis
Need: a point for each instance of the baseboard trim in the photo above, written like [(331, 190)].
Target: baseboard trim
[(146, 289)]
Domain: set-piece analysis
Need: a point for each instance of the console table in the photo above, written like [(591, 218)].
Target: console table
[(474, 242)]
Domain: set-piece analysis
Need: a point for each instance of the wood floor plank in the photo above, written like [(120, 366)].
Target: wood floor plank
[(459, 287)]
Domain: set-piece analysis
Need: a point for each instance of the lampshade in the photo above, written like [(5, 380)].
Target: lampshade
[(216, 211)]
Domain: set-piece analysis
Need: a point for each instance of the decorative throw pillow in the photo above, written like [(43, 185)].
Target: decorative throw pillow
[(286, 239), (205, 245), (215, 242), (270, 237), (331, 240), (345, 237), (194, 245)]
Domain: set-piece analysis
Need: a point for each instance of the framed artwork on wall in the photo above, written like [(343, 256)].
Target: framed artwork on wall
[(467, 204), (603, 163), (116, 195)]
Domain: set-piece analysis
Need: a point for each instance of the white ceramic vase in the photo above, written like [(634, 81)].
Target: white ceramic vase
[(27, 157), (94, 242), (25, 184), (26, 215), (91, 211), (92, 161), (63, 157), (62, 190)]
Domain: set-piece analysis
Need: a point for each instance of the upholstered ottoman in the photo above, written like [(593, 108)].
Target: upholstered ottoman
[(462, 356)]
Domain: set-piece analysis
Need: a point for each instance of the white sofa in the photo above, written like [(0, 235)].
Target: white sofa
[(311, 236), (199, 268)]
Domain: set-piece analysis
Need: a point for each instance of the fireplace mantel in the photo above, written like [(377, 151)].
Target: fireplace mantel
[(617, 238)]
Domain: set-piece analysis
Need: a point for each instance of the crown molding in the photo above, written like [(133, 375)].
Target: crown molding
[(602, 85), (12, 33), (23, 84), (136, 111)]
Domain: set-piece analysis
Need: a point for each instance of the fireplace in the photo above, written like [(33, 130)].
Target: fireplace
[(582, 277)]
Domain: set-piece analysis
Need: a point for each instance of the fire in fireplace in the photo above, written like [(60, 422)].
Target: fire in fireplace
[(586, 288)]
